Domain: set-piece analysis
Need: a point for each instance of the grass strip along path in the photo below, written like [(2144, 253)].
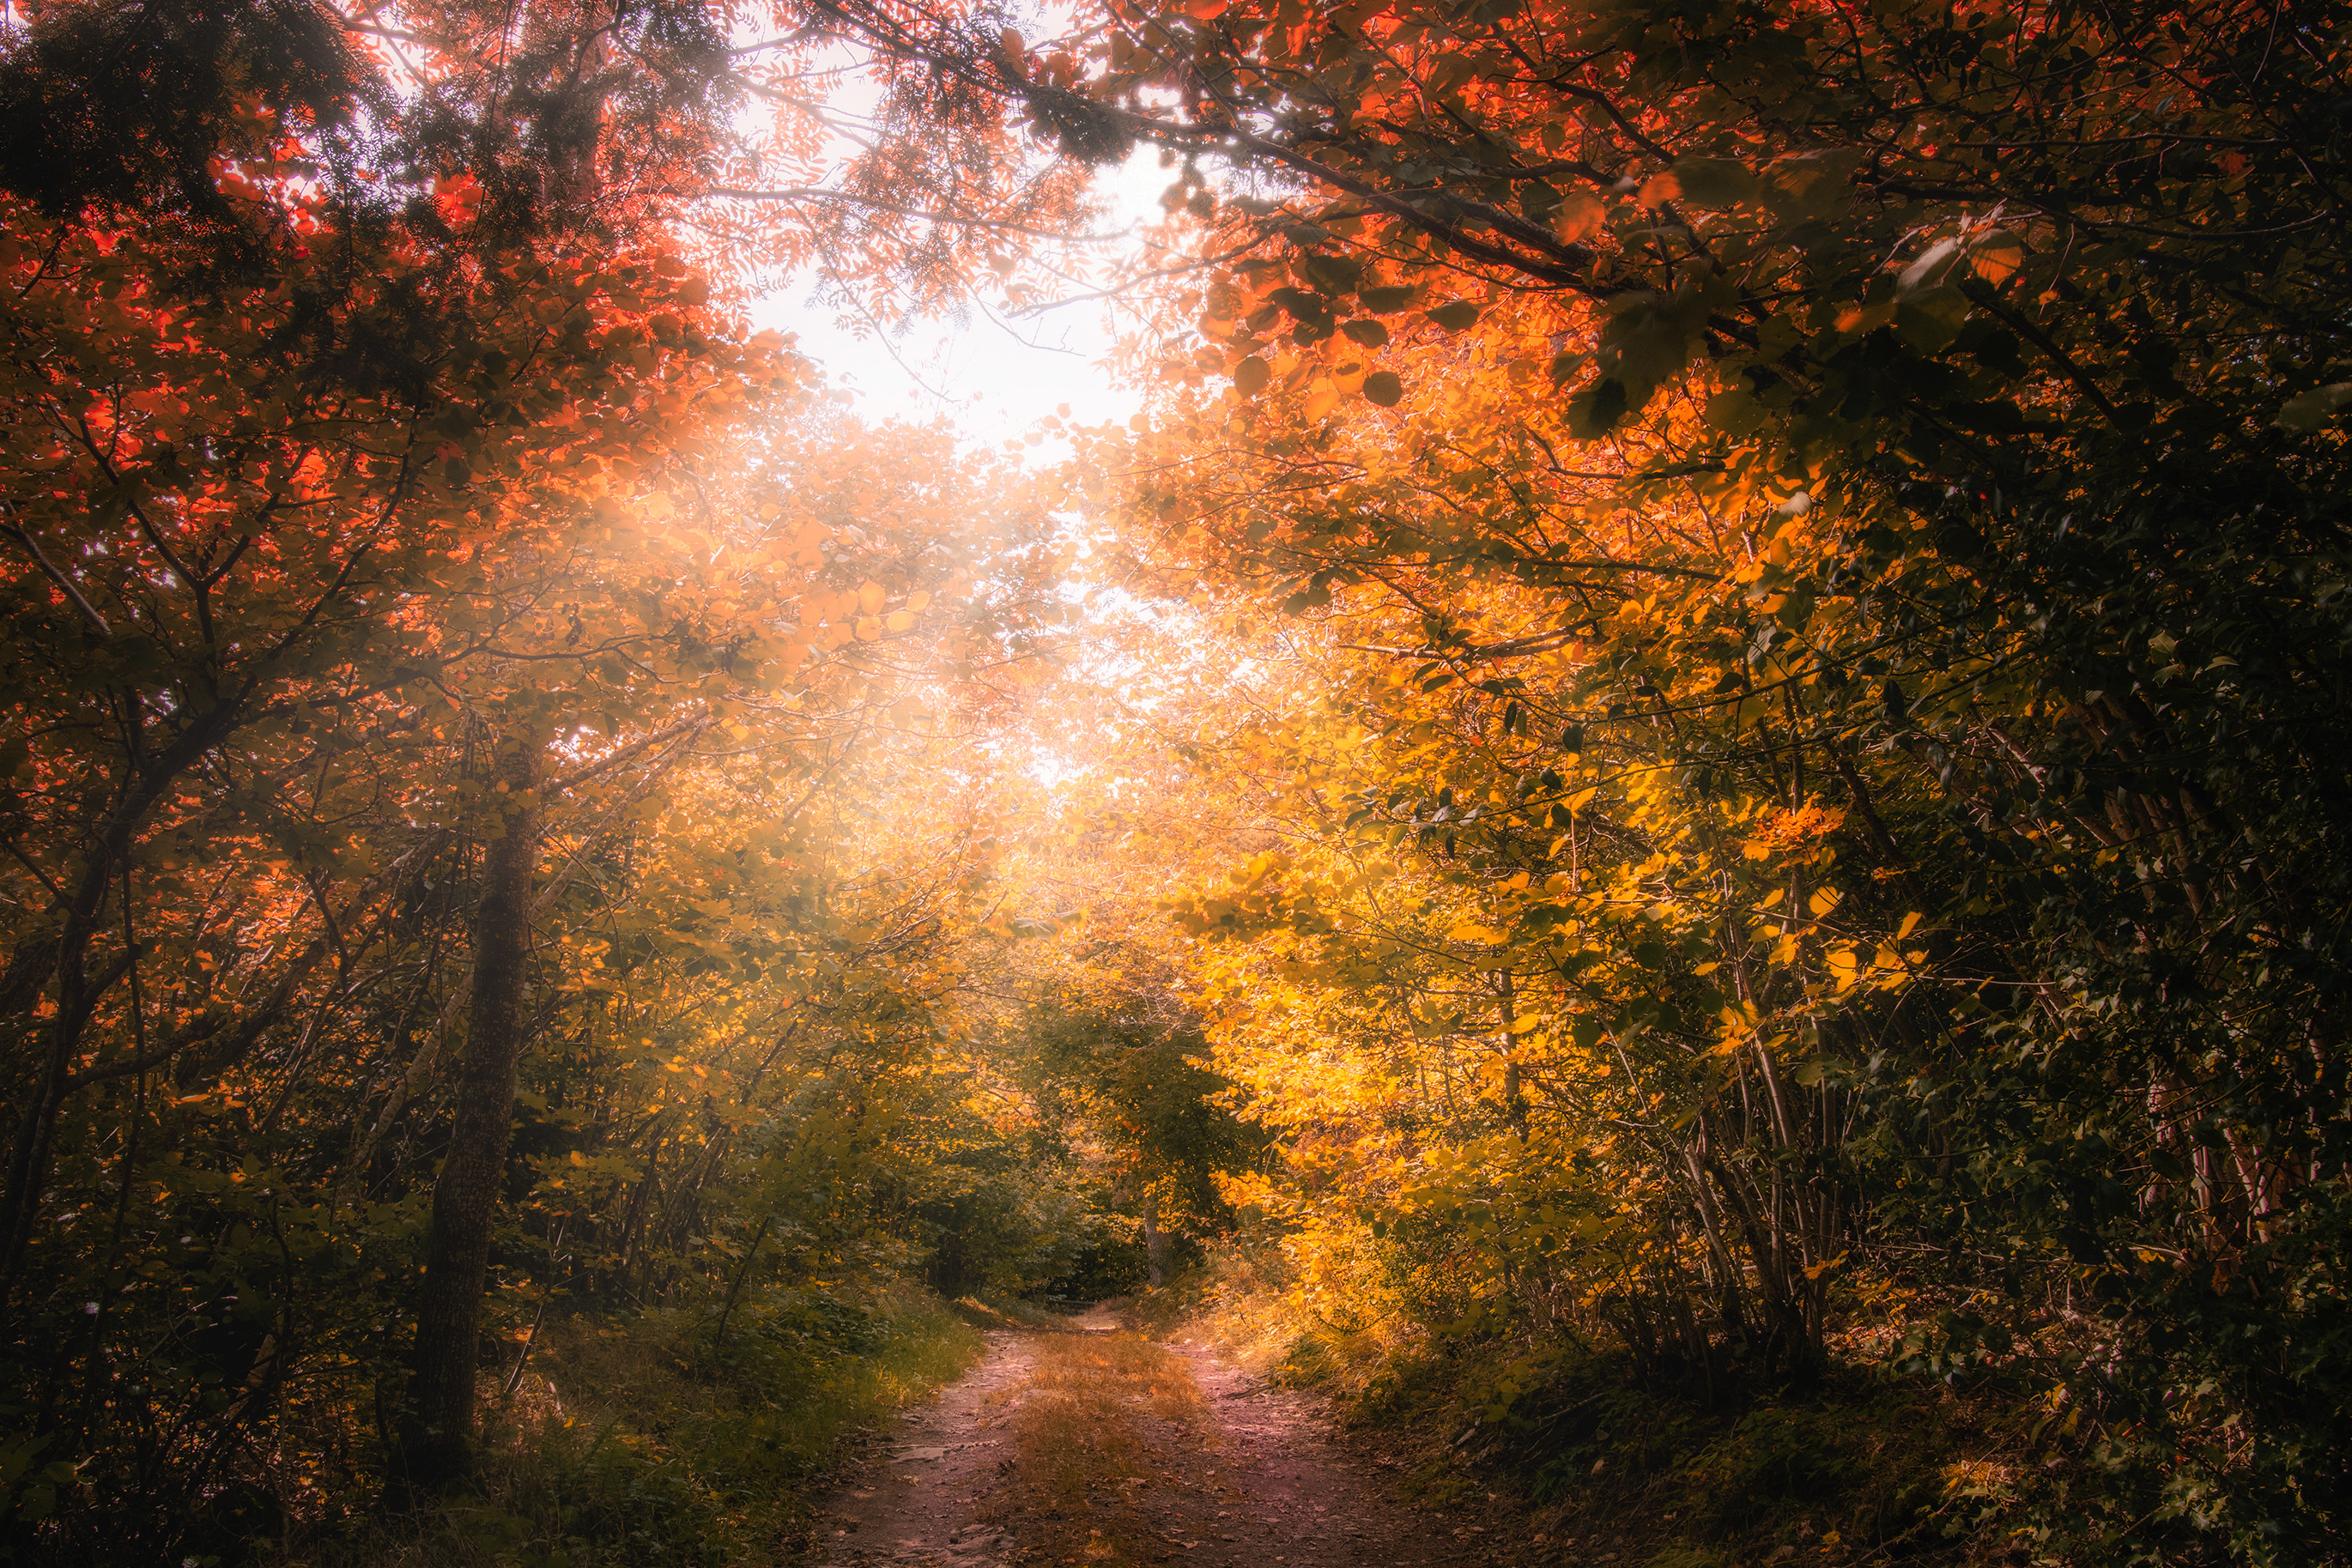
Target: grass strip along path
[(1096, 1446)]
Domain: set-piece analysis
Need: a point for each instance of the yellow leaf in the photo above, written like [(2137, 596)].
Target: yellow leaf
[(1996, 255), (1467, 933), (1579, 217)]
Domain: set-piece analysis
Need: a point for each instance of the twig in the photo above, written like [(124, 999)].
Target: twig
[(65, 583)]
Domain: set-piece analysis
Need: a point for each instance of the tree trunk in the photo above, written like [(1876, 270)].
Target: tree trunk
[(1155, 1243), (64, 956), (1515, 1099), (437, 1435)]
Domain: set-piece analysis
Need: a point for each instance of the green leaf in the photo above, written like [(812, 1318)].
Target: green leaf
[(1716, 182), (1455, 317), (1595, 410), (1645, 341), (1931, 318), (1390, 298), (1735, 412), (1810, 184), (1331, 273), (2307, 411), (1385, 388), (1371, 334)]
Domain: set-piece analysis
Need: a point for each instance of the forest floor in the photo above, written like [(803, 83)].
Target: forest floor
[(1096, 1446)]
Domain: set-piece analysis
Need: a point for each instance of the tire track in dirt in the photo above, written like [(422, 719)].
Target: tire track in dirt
[(916, 1498), (1246, 1476), (1315, 1505)]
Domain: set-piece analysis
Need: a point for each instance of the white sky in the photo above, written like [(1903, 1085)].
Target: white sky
[(991, 377)]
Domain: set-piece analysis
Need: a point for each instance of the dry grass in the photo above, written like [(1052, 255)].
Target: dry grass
[(1101, 1415)]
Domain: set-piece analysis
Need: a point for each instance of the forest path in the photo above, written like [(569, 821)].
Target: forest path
[(1096, 1447)]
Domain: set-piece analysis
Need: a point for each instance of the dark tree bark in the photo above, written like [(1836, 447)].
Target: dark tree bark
[(436, 1434), (1155, 1242), (1515, 1099), (66, 958)]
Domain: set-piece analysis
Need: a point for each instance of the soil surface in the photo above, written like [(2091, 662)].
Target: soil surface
[(1260, 1482)]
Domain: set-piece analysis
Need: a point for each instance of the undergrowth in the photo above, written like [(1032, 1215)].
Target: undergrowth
[(650, 1442), (1592, 1461), (1851, 1468)]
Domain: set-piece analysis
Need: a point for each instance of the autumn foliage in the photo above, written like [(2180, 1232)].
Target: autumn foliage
[(1785, 800), (1706, 753)]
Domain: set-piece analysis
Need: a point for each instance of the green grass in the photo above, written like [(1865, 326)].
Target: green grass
[(1010, 1313), (629, 1444)]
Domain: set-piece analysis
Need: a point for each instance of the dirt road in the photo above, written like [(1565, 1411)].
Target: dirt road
[(1097, 1447)]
